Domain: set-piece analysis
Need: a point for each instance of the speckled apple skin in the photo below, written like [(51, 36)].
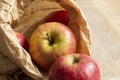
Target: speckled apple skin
[(64, 68), (42, 52)]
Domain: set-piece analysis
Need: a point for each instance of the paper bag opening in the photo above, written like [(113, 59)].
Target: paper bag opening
[(25, 16)]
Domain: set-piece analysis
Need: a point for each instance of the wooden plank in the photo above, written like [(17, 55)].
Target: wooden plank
[(104, 19)]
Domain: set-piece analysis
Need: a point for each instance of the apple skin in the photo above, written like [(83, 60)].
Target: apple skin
[(74, 67), (61, 16), (22, 40), (50, 41)]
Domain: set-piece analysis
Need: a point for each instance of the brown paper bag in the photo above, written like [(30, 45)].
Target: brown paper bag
[(24, 16)]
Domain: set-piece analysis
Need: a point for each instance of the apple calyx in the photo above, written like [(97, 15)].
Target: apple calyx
[(76, 59)]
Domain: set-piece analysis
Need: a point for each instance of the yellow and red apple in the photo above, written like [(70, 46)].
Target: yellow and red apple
[(50, 41)]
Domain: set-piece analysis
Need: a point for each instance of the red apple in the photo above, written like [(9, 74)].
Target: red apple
[(74, 67), (50, 41), (61, 16), (22, 40)]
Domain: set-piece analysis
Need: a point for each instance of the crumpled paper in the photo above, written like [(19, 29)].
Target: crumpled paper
[(24, 16)]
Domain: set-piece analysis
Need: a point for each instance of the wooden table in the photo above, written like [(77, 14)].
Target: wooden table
[(104, 19)]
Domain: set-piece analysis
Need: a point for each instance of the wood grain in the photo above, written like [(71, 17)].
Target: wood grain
[(103, 17)]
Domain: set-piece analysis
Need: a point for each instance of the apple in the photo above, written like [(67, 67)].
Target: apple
[(61, 16), (74, 67), (50, 41), (22, 40)]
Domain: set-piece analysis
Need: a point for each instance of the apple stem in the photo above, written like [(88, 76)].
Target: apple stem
[(76, 59), (50, 39)]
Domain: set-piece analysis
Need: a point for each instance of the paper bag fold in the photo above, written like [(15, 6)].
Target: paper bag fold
[(24, 17)]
